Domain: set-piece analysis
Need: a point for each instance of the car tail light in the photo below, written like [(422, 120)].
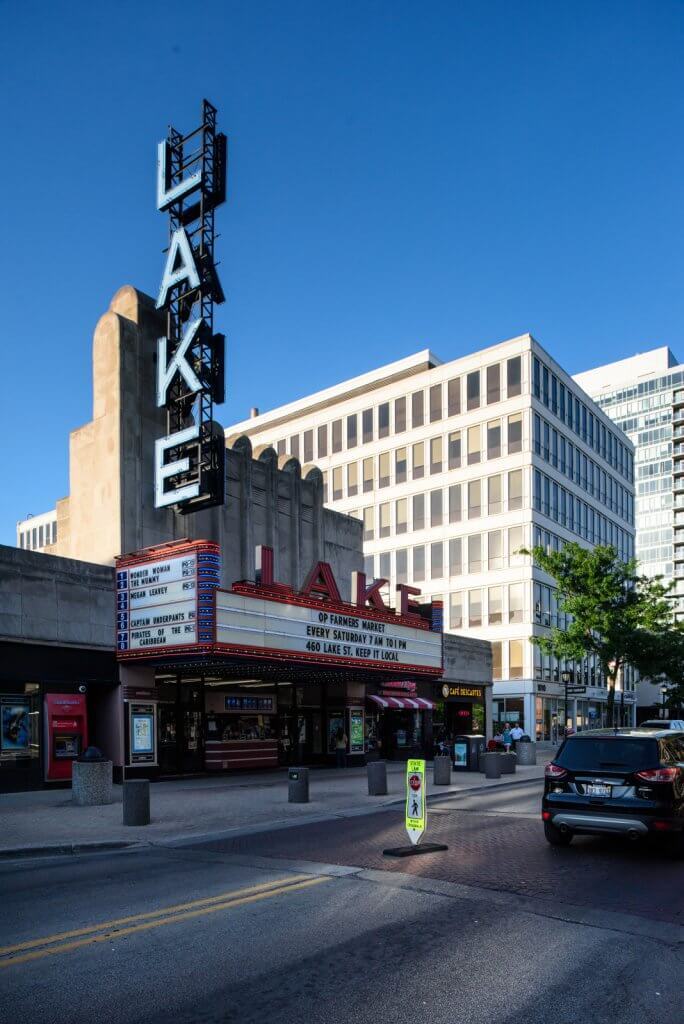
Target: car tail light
[(546, 815), (658, 774), (554, 771), (662, 826)]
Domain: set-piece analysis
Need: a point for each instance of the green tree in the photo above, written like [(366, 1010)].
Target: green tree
[(615, 614)]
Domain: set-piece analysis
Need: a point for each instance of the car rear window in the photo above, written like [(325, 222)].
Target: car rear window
[(618, 754)]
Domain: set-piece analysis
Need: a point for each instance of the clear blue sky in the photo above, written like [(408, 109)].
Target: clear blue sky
[(401, 175)]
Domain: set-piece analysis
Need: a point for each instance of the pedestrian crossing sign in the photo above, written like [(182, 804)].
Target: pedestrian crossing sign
[(416, 810)]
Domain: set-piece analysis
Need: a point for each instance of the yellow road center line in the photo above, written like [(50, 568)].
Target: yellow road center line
[(147, 925), (162, 911)]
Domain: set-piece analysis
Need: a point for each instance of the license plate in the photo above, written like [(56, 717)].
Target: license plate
[(596, 789)]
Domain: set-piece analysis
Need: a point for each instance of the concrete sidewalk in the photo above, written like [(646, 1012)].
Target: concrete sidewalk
[(188, 809)]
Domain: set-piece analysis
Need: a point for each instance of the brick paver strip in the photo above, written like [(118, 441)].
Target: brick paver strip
[(507, 854)]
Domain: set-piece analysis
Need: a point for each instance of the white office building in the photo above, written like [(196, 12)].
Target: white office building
[(37, 533), (453, 468), (643, 396)]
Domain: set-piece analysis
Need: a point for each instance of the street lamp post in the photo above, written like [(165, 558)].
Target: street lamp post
[(663, 692), (566, 677)]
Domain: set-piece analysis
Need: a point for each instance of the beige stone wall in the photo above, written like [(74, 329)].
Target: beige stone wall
[(110, 509)]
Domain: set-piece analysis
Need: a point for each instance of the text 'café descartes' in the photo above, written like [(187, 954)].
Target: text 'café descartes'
[(262, 674)]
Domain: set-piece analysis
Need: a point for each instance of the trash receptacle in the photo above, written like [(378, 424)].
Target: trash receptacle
[(466, 752), (526, 751), (491, 764), (377, 778), (298, 786), (91, 779)]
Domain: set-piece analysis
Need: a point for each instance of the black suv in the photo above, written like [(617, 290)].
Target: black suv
[(621, 781)]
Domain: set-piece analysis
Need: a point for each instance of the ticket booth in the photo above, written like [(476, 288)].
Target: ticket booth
[(66, 733)]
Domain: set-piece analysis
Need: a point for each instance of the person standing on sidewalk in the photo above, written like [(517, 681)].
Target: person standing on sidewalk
[(507, 739), (341, 748), (516, 734)]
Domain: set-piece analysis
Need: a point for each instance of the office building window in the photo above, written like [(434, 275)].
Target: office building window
[(399, 415), (455, 513), (418, 460), (515, 602), (325, 486), (369, 566), (384, 469), (496, 659), (384, 520), (475, 607), (417, 409), (515, 543), (418, 511), (294, 446), (456, 610), (473, 390), (337, 436), (493, 383), (368, 523), (436, 455), (436, 512), (515, 659), (475, 553), (401, 512), (473, 444), (455, 449), (494, 496), (455, 557), (435, 403), (419, 563), (308, 446), (385, 570), (402, 565), (454, 396), (515, 433), (367, 425), (368, 475), (400, 466), (474, 499), (337, 483), (494, 439), (352, 436), (494, 606), (494, 550), (514, 376), (436, 561), (383, 419), (323, 441), (515, 490), (352, 479)]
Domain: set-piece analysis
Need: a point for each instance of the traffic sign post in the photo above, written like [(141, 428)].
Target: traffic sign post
[(415, 813)]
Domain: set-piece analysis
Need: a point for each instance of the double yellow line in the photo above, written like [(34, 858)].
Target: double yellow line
[(105, 931)]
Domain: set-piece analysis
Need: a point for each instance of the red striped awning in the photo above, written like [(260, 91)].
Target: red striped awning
[(415, 703)]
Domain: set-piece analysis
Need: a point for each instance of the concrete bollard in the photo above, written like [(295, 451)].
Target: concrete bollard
[(491, 764), (377, 778), (527, 753), (136, 802), (442, 771), (508, 763), (91, 783), (298, 786)]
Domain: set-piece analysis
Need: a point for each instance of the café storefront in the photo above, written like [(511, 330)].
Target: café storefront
[(261, 675)]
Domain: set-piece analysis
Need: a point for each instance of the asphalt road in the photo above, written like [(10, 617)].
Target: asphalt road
[(210, 933)]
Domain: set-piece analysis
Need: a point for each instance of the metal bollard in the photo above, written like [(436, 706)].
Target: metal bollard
[(298, 786), (442, 771), (492, 765), (136, 802), (377, 778)]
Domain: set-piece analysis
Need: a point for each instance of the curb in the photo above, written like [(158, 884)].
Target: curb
[(59, 849)]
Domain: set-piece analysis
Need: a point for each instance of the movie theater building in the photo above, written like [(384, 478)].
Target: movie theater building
[(245, 634)]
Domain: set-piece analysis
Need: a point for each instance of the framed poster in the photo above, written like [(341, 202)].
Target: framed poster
[(143, 734), (15, 726), (356, 730)]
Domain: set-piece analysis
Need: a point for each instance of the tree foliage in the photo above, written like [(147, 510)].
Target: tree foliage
[(617, 615)]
